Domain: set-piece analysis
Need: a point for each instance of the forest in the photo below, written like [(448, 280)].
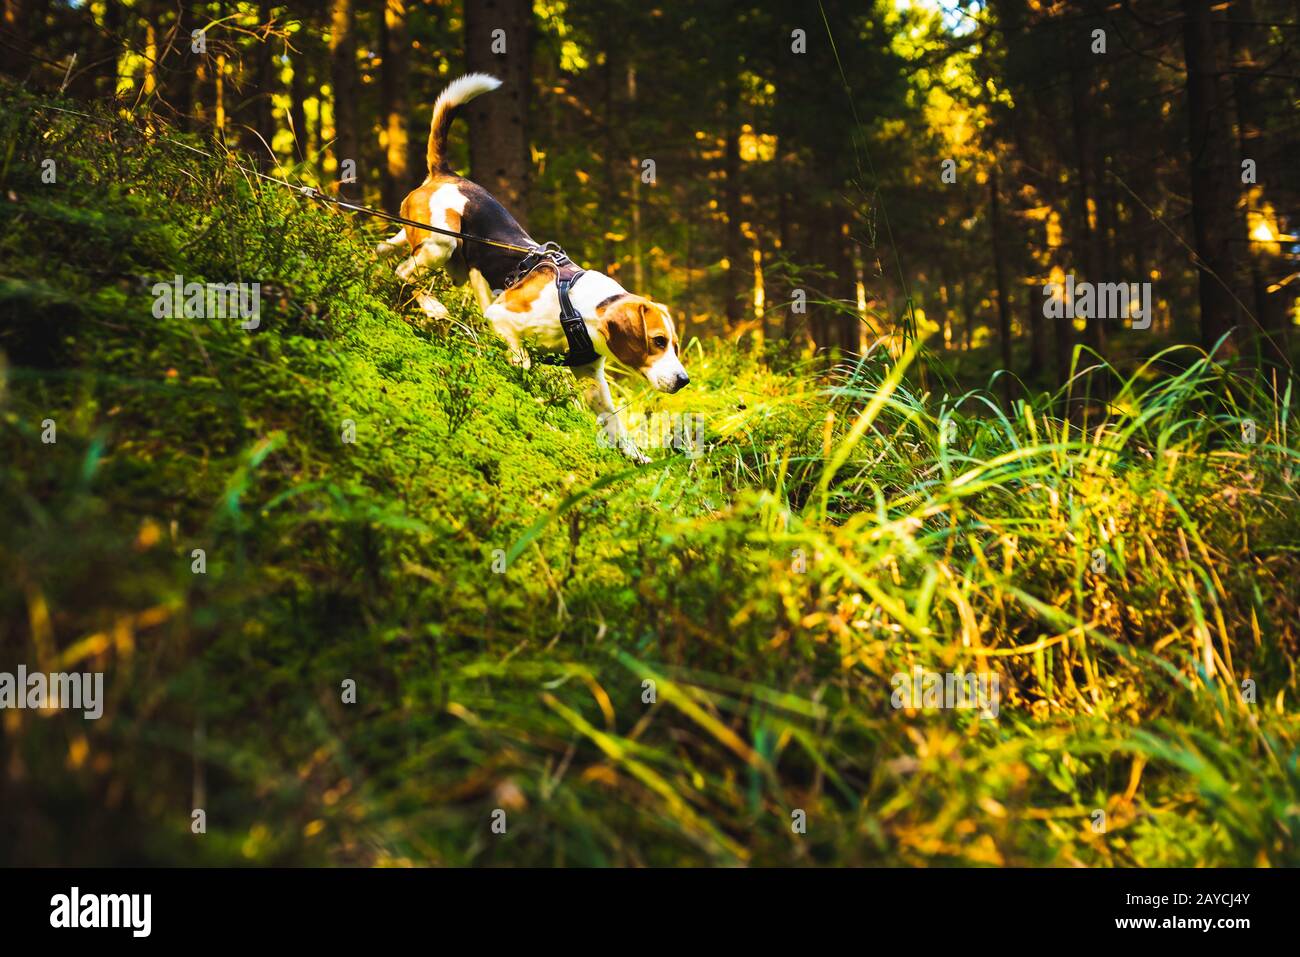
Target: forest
[(933, 169), (967, 544)]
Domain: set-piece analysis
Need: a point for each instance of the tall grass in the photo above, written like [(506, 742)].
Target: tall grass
[(681, 662)]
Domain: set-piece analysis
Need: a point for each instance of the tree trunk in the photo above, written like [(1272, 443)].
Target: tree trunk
[(1036, 322), (781, 290), (264, 111), (299, 90), (1000, 277), (219, 97), (609, 186), (13, 39), (258, 115), (968, 317), (115, 17), (424, 67), (1062, 346), (1273, 324), (834, 324), (1212, 208), (848, 319), (731, 205), (1086, 195), (688, 300), (394, 79), (343, 78), (498, 40), (1029, 173), (149, 79), (185, 61), (638, 262)]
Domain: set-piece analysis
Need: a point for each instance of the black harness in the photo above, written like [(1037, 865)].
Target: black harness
[(581, 352)]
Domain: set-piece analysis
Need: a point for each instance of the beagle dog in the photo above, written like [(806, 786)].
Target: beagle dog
[(632, 329)]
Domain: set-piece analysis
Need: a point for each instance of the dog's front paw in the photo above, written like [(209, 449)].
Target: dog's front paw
[(630, 451)]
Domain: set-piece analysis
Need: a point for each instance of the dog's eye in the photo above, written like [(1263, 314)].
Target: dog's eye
[(661, 342)]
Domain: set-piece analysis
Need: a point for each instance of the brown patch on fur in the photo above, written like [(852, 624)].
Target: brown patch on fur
[(416, 207), (630, 328), (521, 296), (658, 325)]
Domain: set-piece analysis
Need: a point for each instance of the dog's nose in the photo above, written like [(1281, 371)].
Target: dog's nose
[(681, 382)]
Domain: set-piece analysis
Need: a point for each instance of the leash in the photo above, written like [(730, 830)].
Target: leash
[(581, 352), (312, 192)]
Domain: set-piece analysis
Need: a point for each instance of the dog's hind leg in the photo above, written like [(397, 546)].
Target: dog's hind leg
[(482, 291), (392, 244), (457, 270), (430, 254)]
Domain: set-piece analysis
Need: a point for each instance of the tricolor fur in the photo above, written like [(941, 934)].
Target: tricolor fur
[(636, 331)]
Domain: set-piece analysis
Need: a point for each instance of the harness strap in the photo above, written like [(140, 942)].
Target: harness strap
[(549, 253), (581, 351)]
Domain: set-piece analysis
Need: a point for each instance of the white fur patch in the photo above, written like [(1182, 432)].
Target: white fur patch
[(592, 289), (435, 249), (663, 373), (446, 199), (539, 328), (466, 88)]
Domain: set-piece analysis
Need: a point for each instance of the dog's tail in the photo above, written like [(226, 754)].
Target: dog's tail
[(444, 111)]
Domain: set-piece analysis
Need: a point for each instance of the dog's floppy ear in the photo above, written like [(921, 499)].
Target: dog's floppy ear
[(624, 327)]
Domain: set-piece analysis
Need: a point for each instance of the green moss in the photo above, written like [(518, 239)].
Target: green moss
[(768, 601)]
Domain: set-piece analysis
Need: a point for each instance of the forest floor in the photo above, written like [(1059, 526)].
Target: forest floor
[(380, 651)]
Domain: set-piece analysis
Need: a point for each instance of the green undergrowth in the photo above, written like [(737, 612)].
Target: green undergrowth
[(688, 662)]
